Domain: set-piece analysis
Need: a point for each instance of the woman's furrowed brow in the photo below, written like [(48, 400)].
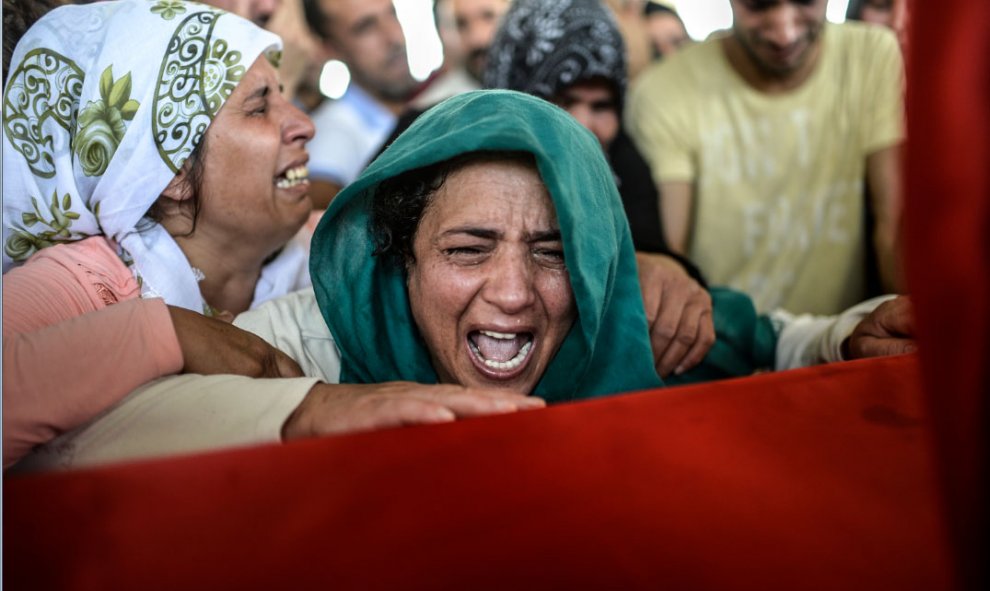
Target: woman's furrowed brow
[(544, 236), (476, 231), (491, 234)]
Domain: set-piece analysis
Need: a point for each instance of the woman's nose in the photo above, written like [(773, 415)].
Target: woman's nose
[(297, 125), (509, 286)]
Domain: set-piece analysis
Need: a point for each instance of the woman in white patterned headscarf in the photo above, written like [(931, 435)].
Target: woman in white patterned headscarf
[(148, 153), (106, 104)]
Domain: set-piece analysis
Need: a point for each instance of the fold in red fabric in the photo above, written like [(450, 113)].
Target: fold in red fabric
[(811, 479)]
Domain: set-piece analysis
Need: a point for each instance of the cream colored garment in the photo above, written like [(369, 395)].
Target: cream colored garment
[(293, 324), (176, 415), (778, 180)]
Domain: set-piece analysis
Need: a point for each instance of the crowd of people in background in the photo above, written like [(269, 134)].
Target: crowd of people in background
[(743, 208)]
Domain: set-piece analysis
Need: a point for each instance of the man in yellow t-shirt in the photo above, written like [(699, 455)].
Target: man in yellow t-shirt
[(761, 139)]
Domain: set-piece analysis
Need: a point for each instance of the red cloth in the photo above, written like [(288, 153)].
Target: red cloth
[(948, 252), (811, 479)]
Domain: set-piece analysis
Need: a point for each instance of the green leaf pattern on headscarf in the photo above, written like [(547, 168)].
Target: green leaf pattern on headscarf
[(23, 242), (168, 9), (101, 123)]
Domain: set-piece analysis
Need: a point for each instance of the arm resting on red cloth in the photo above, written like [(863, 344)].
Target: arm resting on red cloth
[(61, 376)]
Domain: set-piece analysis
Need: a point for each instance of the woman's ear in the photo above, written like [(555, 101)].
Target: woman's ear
[(175, 208), (179, 188)]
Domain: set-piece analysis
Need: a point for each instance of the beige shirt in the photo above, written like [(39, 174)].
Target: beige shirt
[(778, 208)]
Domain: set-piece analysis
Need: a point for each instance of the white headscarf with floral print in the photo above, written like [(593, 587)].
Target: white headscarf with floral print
[(104, 102)]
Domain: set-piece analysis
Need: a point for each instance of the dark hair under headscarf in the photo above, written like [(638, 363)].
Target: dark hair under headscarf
[(545, 46)]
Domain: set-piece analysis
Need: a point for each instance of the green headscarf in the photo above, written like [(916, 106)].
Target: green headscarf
[(364, 299)]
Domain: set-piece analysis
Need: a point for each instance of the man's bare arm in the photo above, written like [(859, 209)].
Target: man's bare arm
[(883, 176), (676, 204)]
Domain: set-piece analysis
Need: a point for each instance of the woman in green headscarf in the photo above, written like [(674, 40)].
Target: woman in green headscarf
[(606, 348)]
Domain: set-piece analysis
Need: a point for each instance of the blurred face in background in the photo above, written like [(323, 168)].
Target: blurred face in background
[(667, 33), (780, 37), (595, 106), (892, 14), (477, 22), (878, 12), (443, 14), (366, 35)]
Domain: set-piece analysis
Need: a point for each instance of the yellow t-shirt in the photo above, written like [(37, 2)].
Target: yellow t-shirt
[(779, 179)]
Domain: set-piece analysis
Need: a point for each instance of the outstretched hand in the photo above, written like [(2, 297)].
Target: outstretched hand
[(888, 330), (678, 311), (212, 346), (343, 408)]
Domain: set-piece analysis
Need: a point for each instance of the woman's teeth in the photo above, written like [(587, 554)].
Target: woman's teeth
[(293, 177), (514, 362), (504, 336)]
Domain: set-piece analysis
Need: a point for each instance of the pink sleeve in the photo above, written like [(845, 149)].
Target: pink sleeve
[(67, 353), (62, 282), (58, 377)]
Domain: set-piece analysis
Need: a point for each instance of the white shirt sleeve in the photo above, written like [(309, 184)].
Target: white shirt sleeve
[(807, 339)]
